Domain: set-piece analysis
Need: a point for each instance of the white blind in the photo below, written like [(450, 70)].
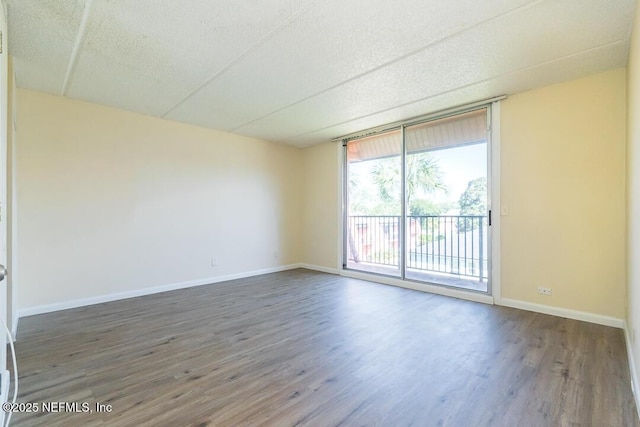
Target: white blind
[(462, 129), (374, 147)]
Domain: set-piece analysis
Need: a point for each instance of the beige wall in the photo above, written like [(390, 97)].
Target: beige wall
[(563, 180), (111, 201), (633, 196), (320, 205)]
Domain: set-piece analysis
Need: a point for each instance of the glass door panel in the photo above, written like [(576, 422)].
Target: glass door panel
[(373, 204), (446, 195)]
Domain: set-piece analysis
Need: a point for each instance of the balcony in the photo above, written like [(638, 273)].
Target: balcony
[(445, 249)]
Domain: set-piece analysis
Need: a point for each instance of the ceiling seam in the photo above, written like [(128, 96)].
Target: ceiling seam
[(398, 59), (246, 52), (550, 61), (73, 60)]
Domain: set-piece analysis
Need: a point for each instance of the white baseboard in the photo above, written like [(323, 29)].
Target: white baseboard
[(319, 268), (564, 312), (81, 302), (424, 287), (632, 369)]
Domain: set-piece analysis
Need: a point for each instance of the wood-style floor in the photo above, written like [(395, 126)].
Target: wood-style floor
[(307, 348)]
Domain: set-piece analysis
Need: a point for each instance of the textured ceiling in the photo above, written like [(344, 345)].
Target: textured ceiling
[(305, 71)]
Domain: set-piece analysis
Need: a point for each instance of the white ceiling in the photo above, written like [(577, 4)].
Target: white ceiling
[(305, 71)]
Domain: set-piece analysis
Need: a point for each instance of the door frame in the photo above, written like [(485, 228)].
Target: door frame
[(494, 203)]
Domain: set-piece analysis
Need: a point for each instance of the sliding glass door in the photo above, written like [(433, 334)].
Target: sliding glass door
[(417, 202)]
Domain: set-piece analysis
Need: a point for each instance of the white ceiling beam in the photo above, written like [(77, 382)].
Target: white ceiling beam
[(246, 52), (77, 46)]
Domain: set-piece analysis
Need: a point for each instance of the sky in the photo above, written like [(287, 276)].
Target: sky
[(461, 165)]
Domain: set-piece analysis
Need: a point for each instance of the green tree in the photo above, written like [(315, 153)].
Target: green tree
[(473, 202), (423, 176), (426, 207)]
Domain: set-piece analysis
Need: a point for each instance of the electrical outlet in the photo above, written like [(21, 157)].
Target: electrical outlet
[(544, 291), (214, 261), (275, 254)]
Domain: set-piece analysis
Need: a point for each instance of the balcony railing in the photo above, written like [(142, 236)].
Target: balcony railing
[(452, 244)]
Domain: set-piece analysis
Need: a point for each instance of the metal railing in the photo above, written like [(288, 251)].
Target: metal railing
[(452, 244)]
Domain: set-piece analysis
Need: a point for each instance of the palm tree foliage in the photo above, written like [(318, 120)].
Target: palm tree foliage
[(423, 177)]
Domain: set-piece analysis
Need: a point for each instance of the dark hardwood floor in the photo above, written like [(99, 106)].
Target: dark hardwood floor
[(307, 348)]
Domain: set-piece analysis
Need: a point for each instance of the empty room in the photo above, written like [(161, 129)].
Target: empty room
[(320, 213)]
